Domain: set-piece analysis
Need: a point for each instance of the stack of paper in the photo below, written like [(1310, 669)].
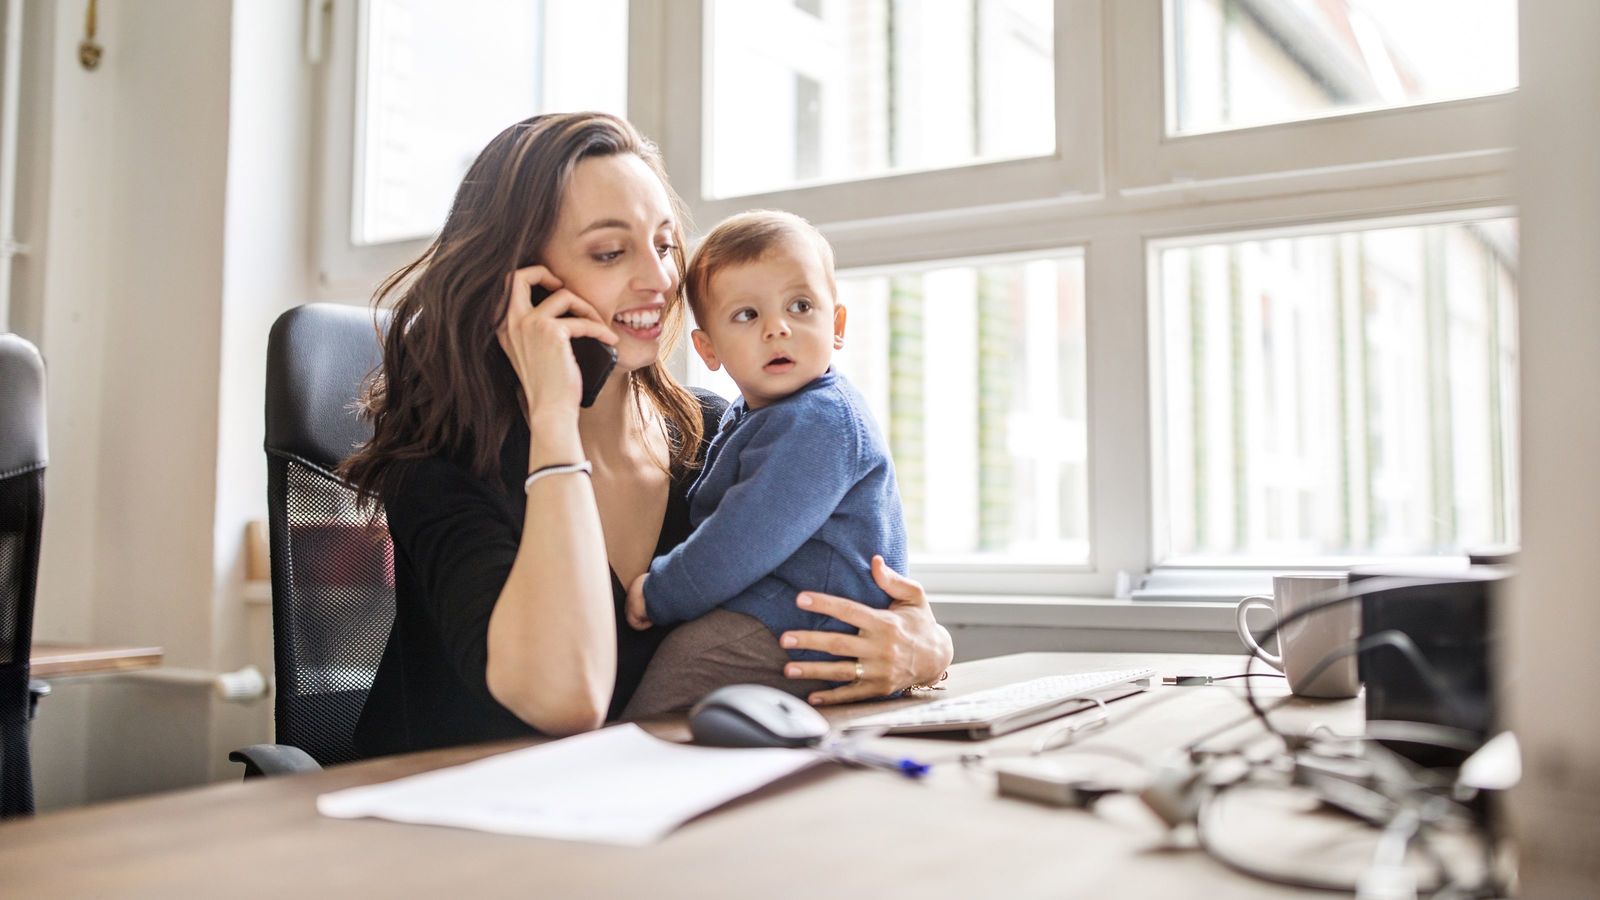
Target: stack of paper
[(614, 786)]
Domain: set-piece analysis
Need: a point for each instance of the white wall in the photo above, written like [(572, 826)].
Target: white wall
[(130, 324), (171, 197), (1553, 617), (66, 303), (64, 186), (266, 270)]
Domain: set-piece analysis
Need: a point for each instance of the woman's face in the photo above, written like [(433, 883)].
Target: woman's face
[(612, 246)]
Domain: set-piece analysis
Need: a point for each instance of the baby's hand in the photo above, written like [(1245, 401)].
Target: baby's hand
[(637, 617)]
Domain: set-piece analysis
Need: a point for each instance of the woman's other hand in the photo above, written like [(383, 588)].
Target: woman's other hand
[(538, 339), (894, 649), (637, 617)]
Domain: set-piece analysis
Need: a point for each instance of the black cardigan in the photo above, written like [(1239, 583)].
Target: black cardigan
[(455, 538)]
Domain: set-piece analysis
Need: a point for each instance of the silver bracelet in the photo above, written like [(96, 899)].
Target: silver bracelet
[(559, 469)]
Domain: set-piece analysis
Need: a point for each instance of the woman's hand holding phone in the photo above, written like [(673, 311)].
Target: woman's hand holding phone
[(538, 340)]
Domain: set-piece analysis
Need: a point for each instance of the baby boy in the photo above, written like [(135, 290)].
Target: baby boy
[(797, 491)]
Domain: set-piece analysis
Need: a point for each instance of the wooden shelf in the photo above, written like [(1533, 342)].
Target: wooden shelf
[(54, 660)]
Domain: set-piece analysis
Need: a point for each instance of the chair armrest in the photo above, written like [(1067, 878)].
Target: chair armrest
[(273, 759), (36, 690)]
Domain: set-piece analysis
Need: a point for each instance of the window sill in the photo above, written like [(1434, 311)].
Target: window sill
[(1033, 611), (1087, 613)]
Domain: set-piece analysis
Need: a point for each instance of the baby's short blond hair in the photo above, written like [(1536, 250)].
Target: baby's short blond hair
[(745, 238)]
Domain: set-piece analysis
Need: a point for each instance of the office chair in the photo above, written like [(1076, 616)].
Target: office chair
[(22, 463), (332, 564)]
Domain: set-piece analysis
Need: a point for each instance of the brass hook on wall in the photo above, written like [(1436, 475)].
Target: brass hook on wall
[(89, 52)]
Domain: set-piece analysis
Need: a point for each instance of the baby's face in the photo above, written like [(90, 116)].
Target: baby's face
[(773, 322)]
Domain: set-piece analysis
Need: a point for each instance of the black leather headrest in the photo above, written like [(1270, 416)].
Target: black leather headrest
[(22, 430), (318, 356)]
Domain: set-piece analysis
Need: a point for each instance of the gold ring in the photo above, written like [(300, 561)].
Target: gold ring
[(861, 671)]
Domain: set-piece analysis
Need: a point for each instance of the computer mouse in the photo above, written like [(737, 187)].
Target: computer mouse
[(753, 715)]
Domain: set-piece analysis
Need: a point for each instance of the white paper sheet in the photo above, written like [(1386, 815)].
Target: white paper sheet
[(618, 785)]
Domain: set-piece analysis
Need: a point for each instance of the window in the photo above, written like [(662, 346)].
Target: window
[(1138, 287), (892, 86), (417, 87), (430, 96), (1237, 63), (975, 373), (1337, 394), (858, 109), (1341, 83)]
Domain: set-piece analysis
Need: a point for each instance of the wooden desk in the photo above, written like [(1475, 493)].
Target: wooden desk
[(56, 660), (829, 832)]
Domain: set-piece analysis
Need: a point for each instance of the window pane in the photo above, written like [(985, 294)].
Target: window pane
[(834, 90), (975, 374), (1348, 394), (1236, 63), (432, 94)]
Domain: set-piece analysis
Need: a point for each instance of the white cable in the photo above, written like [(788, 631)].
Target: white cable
[(1389, 878)]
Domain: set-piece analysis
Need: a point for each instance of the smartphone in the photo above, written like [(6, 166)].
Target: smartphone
[(595, 359)]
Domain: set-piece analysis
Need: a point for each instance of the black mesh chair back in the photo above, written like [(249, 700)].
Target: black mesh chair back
[(22, 462), (332, 564)]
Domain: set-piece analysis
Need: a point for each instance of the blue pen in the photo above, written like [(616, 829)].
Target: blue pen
[(910, 768)]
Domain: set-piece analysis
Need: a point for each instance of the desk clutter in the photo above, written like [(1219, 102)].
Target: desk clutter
[(1397, 805), (622, 786), (1404, 806), (1176, 792), (1285, 789)]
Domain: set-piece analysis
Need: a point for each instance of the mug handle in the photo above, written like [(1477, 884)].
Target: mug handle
[(1240, 616)]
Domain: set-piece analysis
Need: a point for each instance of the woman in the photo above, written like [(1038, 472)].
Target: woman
[(510, 561)]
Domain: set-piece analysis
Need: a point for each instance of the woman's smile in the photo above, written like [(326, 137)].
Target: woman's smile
[(642, 324)]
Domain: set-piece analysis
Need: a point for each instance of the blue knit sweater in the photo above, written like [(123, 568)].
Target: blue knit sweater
[(795, 496)]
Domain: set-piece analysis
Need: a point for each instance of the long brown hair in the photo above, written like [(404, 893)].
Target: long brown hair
[(445, 386)]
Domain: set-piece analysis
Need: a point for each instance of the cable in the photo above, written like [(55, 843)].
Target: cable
[(1207, 824), (1048, 742), (1335, 597), (1408, 824), (1228, 726), (1173, 695), (1071, 730), (1388, 877), (1202, 680), (1442, 736), (1408, 649), (1102, 725), (1408, 732), (984, 756)]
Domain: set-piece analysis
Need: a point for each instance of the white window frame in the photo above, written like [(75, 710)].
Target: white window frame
[(348, 271), (1444, 137), (344, 269), (1133, 189), (1072, 170)]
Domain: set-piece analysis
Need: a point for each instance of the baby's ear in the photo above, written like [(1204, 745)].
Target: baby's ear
[(702, 346), (838, 325)]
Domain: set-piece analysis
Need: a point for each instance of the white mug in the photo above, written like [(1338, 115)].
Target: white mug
[(1307, 641)]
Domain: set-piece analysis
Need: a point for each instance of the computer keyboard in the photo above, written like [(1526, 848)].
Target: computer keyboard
[(1009, 707)]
